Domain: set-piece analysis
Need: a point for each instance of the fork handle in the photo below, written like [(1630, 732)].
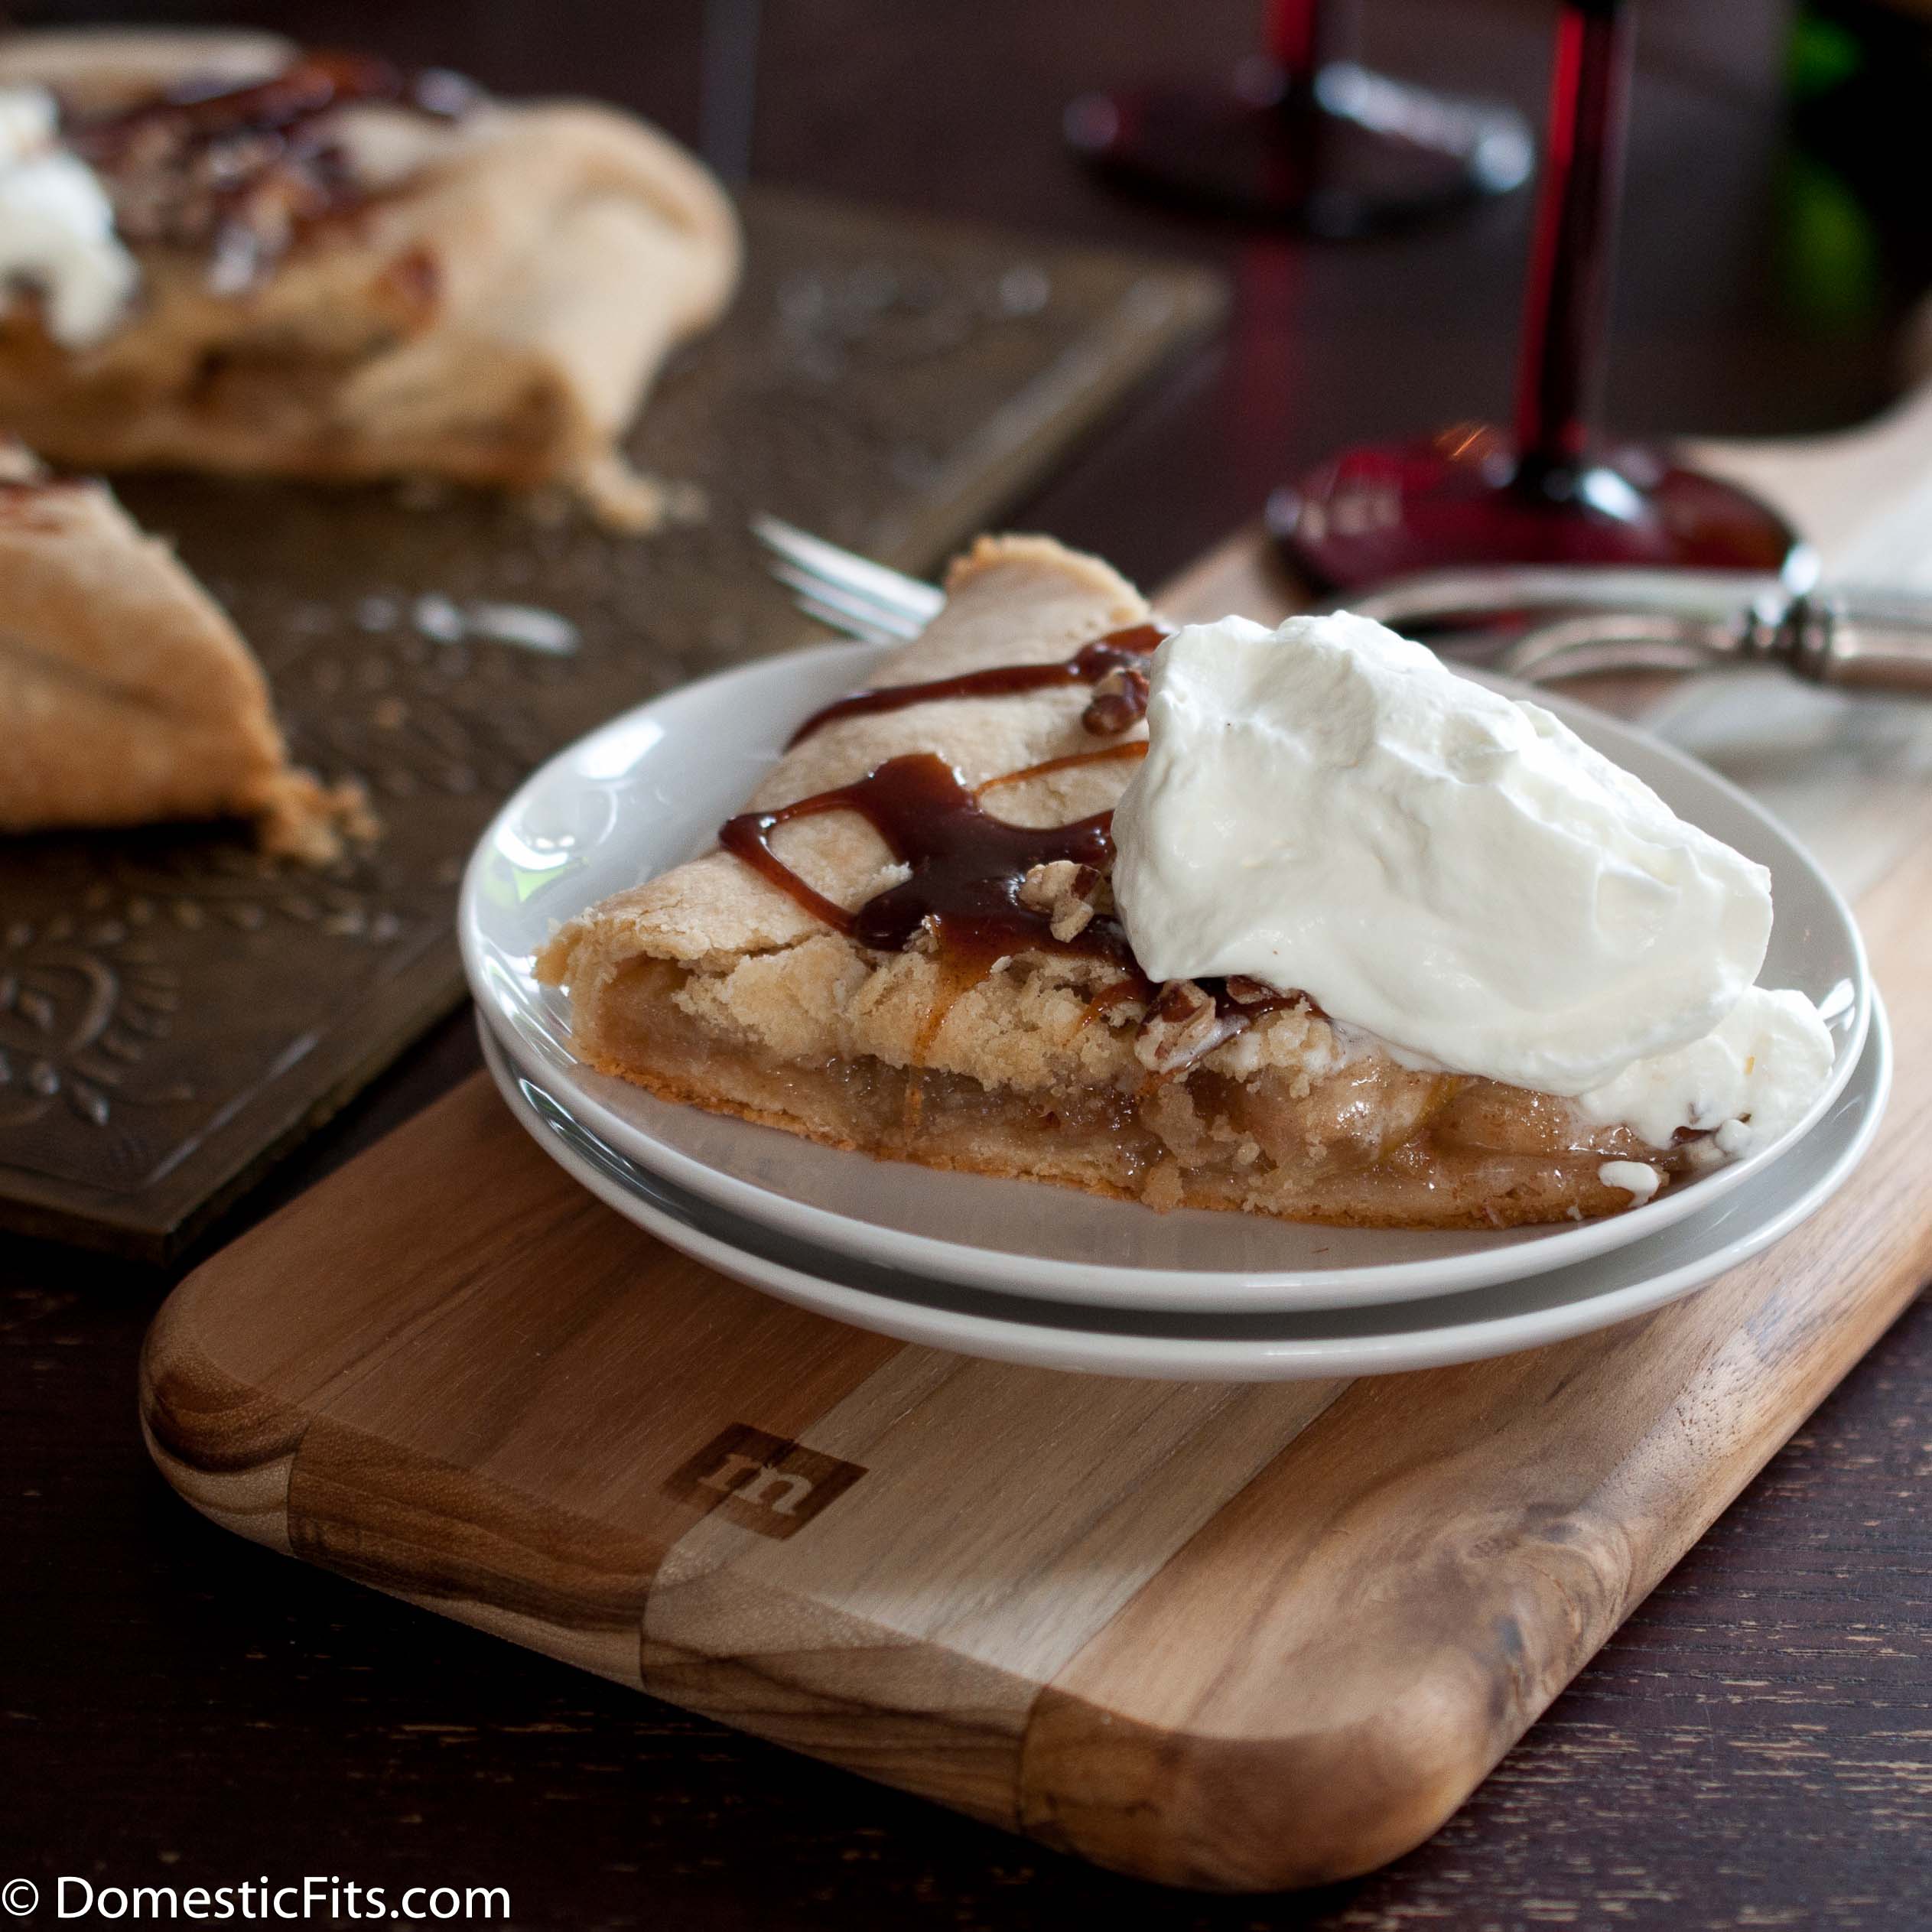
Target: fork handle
[(1870, 641)]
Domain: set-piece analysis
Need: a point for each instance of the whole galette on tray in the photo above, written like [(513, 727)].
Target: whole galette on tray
[(225, 253)]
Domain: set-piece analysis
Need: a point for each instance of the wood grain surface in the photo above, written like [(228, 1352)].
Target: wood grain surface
[(1232, 1639)]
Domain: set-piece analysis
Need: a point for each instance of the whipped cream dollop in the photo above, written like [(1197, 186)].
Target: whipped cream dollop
[(1637, 1179), (1748, 1080), (56, 225), (1327, 807)]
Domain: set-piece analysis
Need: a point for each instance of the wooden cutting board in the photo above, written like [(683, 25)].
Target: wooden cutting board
[(176, 1009), (1226, 1637)]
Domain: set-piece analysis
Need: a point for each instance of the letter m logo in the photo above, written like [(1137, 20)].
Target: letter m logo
[(762, 1482)]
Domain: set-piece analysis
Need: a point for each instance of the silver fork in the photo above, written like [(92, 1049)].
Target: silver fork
[(869, 601), (1623, 620)]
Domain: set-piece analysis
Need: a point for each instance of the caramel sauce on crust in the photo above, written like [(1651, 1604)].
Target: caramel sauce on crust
[(967, 866), (310, 85), (246, 171), (1123, 650)]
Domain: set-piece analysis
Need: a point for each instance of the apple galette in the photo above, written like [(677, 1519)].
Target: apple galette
[(228, 254), (127, 695), (919, 939)]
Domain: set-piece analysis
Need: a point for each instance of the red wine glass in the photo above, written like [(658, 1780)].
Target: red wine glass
[(1547, 494), (1305, 138)]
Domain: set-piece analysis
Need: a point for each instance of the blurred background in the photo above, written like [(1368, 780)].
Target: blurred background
[(1775, 241)]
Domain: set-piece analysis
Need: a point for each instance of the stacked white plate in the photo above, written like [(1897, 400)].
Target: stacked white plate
[(1027, 1273)]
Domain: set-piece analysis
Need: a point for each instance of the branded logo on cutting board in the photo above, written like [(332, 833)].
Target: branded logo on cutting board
[(762, 1482)]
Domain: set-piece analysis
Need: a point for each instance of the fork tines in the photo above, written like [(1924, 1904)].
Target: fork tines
[(848, 592)]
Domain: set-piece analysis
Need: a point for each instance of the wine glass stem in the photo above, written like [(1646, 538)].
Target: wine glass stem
[(1576, 217), (1293, 33)]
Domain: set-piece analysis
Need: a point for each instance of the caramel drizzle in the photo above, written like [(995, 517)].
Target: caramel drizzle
[(309, 86), (966, 865), (1130, 753), (245, 168), (1125, 651)]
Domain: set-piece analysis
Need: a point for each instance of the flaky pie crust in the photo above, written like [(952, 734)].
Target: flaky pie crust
[(708, 986)]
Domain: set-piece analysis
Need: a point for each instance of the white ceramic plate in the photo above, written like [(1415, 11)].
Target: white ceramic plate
[(1213, 1346), (650, 788)]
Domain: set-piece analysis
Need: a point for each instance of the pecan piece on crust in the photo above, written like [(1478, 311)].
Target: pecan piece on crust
[(1119, 702), (1183, 1024), (1067, 892)]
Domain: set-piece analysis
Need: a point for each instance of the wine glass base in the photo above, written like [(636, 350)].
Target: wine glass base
[(1465, 499), (1349, 152)]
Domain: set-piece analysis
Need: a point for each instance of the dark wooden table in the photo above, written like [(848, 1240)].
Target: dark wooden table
[(1755, 1747)]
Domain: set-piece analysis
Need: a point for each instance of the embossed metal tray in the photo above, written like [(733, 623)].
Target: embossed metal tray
[(174, 1011)]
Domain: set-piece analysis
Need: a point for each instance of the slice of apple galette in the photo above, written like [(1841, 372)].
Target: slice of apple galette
[(1296, 922), (127, 696)]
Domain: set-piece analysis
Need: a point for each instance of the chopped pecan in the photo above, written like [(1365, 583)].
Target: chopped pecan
[(1119, 701), (1245, 992), (1072, 920), (1067, 892), (1183, 1024)]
